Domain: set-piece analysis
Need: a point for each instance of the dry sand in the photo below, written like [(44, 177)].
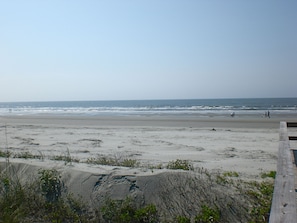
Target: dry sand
[(243, 145), (247, 146)]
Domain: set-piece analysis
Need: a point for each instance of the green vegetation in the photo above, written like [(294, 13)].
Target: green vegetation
[(126, 212), (226, 177), (180, 164), (259, 194), (113, 161), (21, 155), (208, 215), (182, 219), (66, 158), (270, 174), (50, 184), (38, 201), (262, 197), (45, 199), (5, 154), (222, 179), (26, 155), (230, 174)]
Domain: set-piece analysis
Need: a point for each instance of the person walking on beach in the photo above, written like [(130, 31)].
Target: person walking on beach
[(267, 114)]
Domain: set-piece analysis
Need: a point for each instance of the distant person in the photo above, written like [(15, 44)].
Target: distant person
[(268, 114)]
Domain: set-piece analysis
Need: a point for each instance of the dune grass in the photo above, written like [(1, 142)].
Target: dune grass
[(39, 200), (45, 199)]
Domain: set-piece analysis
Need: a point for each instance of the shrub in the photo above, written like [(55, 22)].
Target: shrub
[(23, 202), (126, 212), (221, 179), (5, 154), (271, 174), (230, 174), (147, 214), (16, 200), (182, 219), (108, 211), (262, 198), (51, 184), (208, 215), (68, 209), (11, 200), (180, 164), (118, 211)]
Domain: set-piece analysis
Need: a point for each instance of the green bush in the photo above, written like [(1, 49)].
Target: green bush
[(126, 212), (271, 174), (208, 215), (182, 219), (221, 179), (68, 209), (23, 202), (5, 154), (147, 214), (43, 199), (261, 192), (51, 184), (180, 164), (9, 200), (230, 174)]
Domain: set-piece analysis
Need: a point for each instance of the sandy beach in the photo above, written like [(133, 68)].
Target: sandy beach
[(247, 146)]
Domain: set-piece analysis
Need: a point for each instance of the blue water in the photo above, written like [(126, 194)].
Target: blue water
[(199, 107)]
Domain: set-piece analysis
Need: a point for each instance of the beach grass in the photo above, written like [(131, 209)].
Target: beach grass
[(115, 160), (39, 200), (45, 198), (180, 165)]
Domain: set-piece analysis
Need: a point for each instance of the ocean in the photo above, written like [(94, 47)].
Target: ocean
[(193, 107)]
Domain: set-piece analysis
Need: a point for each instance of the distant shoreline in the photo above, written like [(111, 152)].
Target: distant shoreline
[(154, 120)]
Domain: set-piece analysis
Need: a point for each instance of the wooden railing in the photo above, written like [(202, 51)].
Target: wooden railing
[(283, 208)]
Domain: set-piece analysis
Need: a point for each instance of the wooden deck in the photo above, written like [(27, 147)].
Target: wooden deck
[(283, 208)]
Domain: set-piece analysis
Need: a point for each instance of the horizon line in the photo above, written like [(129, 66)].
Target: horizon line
[(172, 99)]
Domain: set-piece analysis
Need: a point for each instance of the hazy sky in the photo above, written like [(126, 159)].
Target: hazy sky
[(147, 49)]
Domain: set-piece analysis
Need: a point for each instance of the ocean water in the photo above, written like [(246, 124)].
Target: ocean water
[(195, 107)]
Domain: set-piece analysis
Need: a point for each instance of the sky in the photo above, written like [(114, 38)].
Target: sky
[(57, 50)]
